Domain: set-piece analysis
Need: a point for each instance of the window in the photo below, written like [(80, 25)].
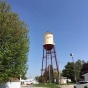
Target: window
[(83, 82)]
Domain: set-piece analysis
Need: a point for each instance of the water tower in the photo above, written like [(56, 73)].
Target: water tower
[(49, 55)]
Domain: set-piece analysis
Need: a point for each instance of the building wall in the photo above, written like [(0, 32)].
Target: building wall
[(63, 81), (86, 77), (11, 85)]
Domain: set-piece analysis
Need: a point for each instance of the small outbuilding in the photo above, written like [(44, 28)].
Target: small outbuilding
[(13, 83), (63, 80), (85, 76)]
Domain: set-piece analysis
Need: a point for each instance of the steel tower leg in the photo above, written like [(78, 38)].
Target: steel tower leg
[(50, 54), (46, 66), (42, 66), (52, 66), (56, 60)]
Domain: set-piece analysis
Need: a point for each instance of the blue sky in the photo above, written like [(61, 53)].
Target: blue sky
[(66, 19)]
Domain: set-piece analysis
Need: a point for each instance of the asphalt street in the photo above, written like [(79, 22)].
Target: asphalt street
[(31, 87), (70, 86)]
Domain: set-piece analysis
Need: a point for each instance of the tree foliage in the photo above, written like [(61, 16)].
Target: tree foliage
[(48, 74), (14, 43), (55, 74), (37, 78), (84, 69), (68, 71), (78, 66)]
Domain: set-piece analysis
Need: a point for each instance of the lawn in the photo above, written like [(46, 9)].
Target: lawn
[(52, 85), (48, 85)]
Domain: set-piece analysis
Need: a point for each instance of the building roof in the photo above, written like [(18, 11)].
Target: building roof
[(85, 74), (48, 32)]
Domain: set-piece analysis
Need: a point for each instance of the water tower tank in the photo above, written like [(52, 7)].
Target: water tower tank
[(48, 41)]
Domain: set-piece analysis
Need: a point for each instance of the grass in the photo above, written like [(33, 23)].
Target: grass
[(52, 85), (48, 85), (70, 83)]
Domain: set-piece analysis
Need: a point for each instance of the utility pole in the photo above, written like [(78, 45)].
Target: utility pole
[(74, 67)]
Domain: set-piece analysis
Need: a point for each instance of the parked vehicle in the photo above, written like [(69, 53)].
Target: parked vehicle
[(81, 84), (29, 81)]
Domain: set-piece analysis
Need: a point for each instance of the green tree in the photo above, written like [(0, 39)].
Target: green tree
[(55, 74), (78, 66), (37, 78), (48, 74), (84, 69), (14, 43), (68, 71)]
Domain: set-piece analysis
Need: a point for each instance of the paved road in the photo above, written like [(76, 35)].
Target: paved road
[(31, 87), (70, 86)]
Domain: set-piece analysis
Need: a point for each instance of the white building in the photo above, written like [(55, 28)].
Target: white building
[(85, 76), (13, 83), (10, 85)]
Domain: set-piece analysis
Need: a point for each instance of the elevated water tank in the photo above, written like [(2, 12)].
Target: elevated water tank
[(48, 41)]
